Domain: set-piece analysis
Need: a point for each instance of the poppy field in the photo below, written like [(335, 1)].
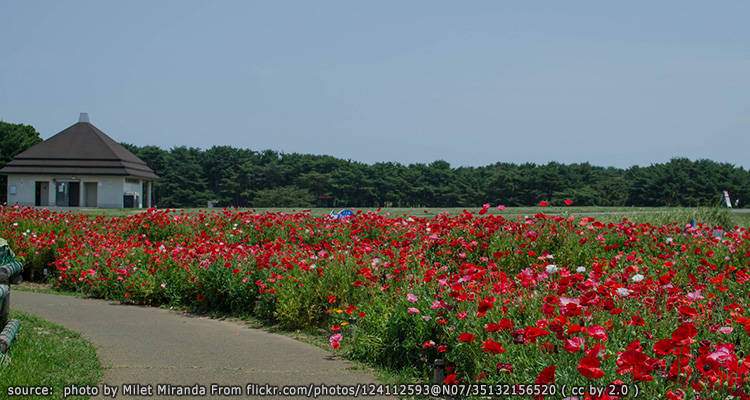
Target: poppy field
[(661, 310)]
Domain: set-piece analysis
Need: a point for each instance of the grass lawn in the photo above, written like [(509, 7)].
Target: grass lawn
[(45, 354)]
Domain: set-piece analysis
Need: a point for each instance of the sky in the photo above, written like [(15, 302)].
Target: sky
[(611, 83)]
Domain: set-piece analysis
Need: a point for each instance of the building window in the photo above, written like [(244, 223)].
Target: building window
[(131, 180)]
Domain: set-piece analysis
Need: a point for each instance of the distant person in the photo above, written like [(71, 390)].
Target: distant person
[(736, 203)]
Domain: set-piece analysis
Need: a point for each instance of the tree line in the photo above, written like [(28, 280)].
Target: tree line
[(14, 139), (244, 178), (231, 177)]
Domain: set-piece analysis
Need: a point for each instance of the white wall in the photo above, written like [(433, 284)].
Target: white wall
[(110, 189), (25, 186)]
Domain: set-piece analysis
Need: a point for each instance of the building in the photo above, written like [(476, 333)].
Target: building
[(79, 167)]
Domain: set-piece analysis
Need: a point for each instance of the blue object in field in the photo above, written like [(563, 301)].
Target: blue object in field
[(342, 214), (692, 223)]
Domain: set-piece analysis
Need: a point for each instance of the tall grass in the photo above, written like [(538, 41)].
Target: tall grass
[(713, 217)]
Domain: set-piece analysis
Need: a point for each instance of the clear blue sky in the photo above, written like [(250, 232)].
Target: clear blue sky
[(613, 83)]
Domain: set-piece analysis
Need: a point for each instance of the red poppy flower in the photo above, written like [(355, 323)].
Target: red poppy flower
[(588, 367), (490, 346), (707, 365), (546, 376), (466, 337), (506, 324), (450, 379), (632, 360), (543, 204), (491, 327), (575, 329), (504, 368), (201, 297), (680, 366), (684, 334), (688, 311), (486, 305), (597, 332), (635, 345), (680, 395), (548, 347), (568, 202), (533, 332), (665, 279), (551, 299), (573, 345), (549, 309), (662, 347)]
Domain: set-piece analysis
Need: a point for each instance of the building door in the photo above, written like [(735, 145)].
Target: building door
[(61, 194), (74, 197), (90, 190), (41, 195), (67, 193)]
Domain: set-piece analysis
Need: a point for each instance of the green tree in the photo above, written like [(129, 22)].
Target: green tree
[(388, 184), (222, 169), (183, 184), (440, 176), (14, 140), (319, 184), (470, 187), (352, 186), (156, 159), (285, 196)]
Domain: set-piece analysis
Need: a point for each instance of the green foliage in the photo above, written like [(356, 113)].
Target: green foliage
[(244, 178), (14, 139), (285, 196), (45, 354), (226, 288), (183, 183), (684, 183)]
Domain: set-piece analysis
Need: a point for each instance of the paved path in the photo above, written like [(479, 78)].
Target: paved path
[(151, 346)]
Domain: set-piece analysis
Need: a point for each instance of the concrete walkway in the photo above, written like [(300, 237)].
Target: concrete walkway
[(142, 348)]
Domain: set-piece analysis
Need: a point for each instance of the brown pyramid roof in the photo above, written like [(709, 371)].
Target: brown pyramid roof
[(82, 149)]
